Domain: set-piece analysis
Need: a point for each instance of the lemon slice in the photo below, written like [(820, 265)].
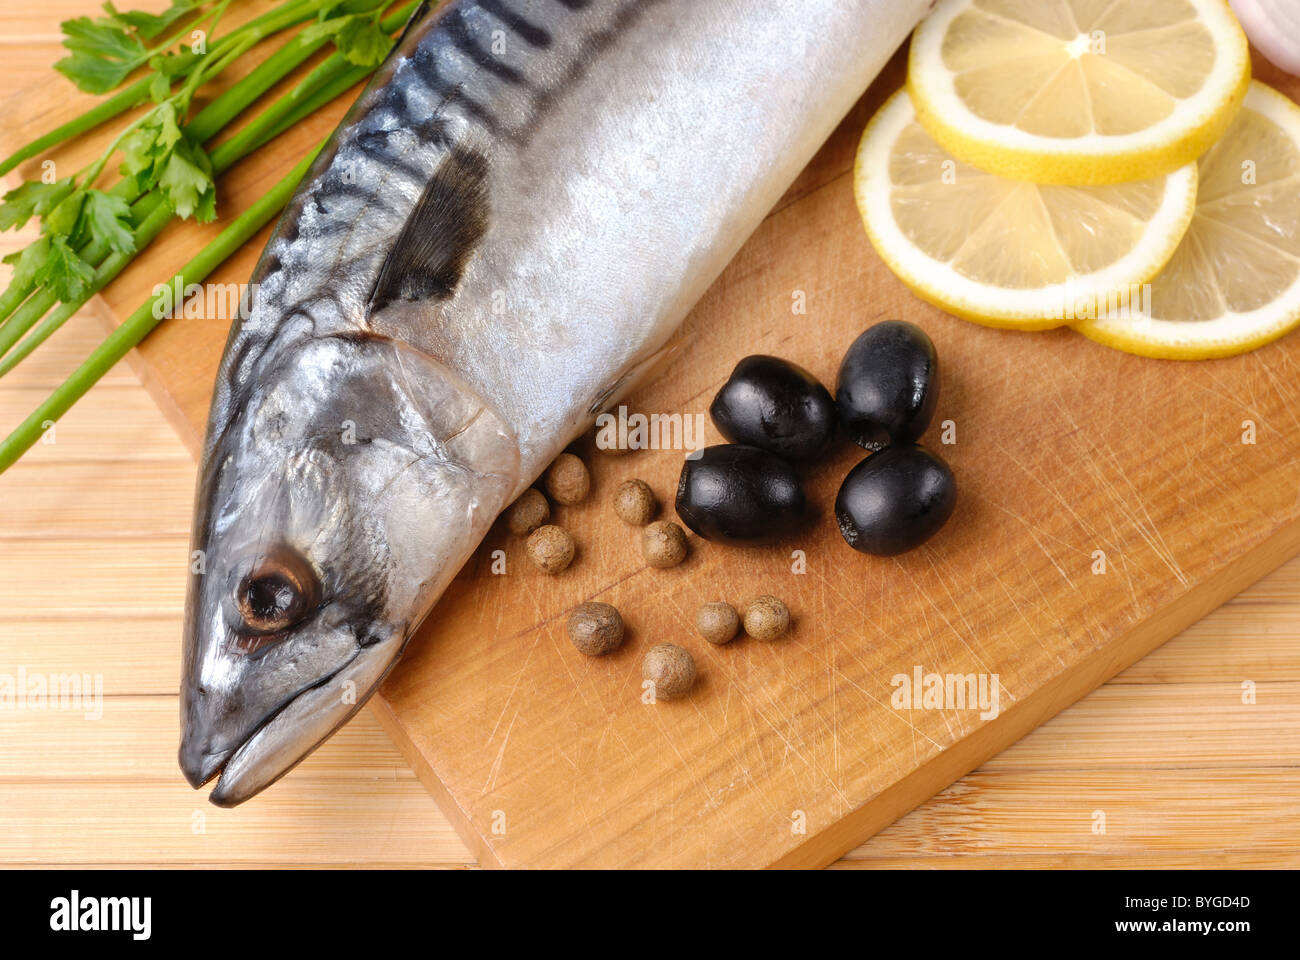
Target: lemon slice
[(1078, 91), (1234, 282), (1007, 253)]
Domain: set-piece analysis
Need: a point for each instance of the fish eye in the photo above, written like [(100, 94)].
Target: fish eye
[(279, 592)]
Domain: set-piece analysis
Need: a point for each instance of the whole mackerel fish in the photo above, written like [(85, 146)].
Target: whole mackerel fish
[(501, 236)]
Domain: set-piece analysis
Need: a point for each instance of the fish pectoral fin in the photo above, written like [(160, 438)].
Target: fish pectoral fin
[(439, 236)]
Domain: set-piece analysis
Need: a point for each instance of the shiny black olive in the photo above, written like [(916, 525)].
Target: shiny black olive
[(742, 495), (895, 500), (776, 406), (888, 385)]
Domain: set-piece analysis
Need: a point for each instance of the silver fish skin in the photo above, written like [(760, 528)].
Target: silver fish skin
[(503, 233)]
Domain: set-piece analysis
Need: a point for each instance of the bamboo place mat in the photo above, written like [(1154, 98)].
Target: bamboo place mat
[(1181, 769)]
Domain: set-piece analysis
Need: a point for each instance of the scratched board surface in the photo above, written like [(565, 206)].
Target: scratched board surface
[(1067, 455)]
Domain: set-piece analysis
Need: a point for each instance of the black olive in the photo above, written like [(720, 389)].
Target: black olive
[(895, 500), (738, 494), (776, 406), (888, 385)]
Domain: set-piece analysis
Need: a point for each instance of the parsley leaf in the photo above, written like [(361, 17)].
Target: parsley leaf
[(62, 220), (32, 198), (160, 88), (362, 42), (322, 29), (187, 180), (207, 211), (102, 37), (107, 218), (27, 261), (63, 271), (359, 39), (149, 25), (103, 53), (146, 149)]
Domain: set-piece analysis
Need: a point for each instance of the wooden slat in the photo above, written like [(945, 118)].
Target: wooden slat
[(137, 655), (258, 865), (111, 423), (1282, 588), (1120, 728), (125, 576), (1146, 727), (1242, 640), (48, 367), (134, 738), (1235, 859), (49, 500), (23, 23), (1160, 812), (303, 822)]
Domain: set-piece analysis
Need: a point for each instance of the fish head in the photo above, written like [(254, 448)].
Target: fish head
[(342, 489)]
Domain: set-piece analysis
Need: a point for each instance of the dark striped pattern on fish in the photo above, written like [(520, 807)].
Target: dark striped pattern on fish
[(470, 76)]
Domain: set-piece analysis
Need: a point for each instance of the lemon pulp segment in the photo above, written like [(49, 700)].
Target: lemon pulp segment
[(1233, 284), (1005, 252), (1078, 91)]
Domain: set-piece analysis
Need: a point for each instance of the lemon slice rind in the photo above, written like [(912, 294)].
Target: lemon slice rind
[(1195, 124), (1232, 333), (1035, 308)]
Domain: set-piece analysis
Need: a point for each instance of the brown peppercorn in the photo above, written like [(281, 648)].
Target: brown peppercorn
[(551, 548), (595, 628), (766, 618), (717, 622), (663, 544), (635, 502), (528, 513), (567, 480), (671, 669)]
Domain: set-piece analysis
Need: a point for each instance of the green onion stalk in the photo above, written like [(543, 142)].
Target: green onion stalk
[(135, 327), (335, 74), (273, 21), (24, 307), (328, 81)]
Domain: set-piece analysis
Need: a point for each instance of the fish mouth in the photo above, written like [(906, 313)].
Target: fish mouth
[(198, 765), (277, 744)]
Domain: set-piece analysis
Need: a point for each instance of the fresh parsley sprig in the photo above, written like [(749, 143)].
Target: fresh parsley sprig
[(89, 233), (158, 154), (106, 50)]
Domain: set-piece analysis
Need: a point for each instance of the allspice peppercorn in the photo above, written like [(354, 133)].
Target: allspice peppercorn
[(551, 548), (717, 622), (595, 628), (663, 544), (766, 618), (528, 513), (671, 669), (567, 480), (635, 502)]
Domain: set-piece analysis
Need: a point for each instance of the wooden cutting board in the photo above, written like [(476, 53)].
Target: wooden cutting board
[(1071, 459)]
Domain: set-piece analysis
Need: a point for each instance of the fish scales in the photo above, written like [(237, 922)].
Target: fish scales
[(500, 238), (391, 144), (399, 132)]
